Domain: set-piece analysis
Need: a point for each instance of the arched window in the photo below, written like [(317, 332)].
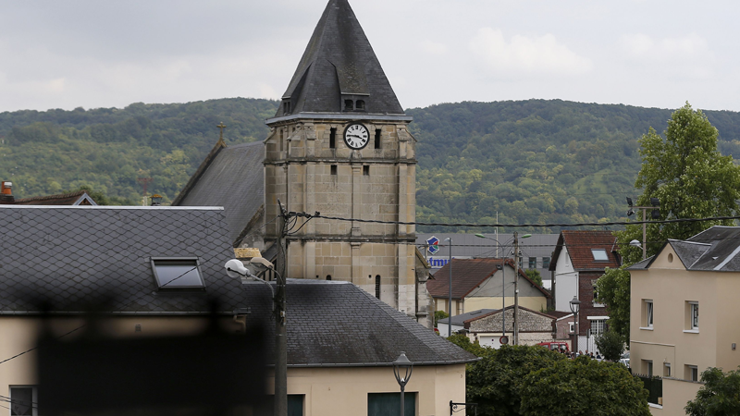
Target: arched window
[(328, 277)]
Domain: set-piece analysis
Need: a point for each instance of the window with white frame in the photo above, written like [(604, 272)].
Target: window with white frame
[(598, 326), (596, 296), (23, 401), (571, 327), (599, 254), (692, 316), (666, 369), (647, 313)]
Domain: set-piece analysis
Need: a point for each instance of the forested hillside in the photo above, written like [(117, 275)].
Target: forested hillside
[(531, 161)]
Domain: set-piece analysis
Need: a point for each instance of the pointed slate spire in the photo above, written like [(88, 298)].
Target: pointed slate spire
[(339, 72)]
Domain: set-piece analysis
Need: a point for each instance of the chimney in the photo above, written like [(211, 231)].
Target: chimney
[(6, 193)]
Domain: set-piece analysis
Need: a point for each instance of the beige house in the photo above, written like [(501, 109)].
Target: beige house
[(668, 335), (156, 271), (479, 284)]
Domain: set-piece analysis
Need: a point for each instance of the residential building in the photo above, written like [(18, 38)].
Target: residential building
[(479, 284), (683, 313), (71, 198), (536, 250), (339, 145), (458, 321), (487, 328), (155, 271), (579, 259)]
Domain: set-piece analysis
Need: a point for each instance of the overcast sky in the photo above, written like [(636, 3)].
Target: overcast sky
[(649, 53)]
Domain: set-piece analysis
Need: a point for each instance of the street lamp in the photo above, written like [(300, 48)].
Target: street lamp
[(402, 368), (502, 267), (235, 268), (575, 305), (449, 299)]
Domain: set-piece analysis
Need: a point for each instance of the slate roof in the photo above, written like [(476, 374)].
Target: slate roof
[(579, 244), (76, 256), (714, 249), (334, 323), (339, 60), (468, 274), (460, 319), (231, 177), (72, 198)]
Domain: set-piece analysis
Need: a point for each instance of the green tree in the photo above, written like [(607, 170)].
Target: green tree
[(496, 381), (690, 177), (439, 315), (611, 345), (719, 396), (462, 341), (583, 387), (534, 275)]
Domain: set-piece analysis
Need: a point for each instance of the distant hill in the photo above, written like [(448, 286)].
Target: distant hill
[(531, 161)]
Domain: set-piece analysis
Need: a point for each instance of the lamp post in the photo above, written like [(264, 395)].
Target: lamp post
[(402, 369), (517, 256), (449, 298), (575, 305), (655, 202), (235, 268)]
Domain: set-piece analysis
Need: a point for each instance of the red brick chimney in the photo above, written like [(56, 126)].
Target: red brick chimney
[(6, 193)]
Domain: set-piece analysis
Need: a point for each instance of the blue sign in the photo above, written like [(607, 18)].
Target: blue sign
[(433, 245)]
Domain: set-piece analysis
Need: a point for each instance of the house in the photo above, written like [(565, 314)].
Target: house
[(683, 313), (458, 321), (486, 328), (156, 270), (579, 259), (339, 144), (478, 284), (71, 198)]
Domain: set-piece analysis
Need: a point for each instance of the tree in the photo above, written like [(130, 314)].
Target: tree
[(610, 344), (496, 381), (719, 395), (439, 315), (690, 177), (583, 387), (462, 341), (534, 275)]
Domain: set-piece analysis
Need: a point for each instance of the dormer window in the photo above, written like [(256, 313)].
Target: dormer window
[(360, 105), (349, 105), (354, 102), (177, 273), (286, 107)]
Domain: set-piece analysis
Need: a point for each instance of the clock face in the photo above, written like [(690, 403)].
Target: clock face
[(356, 136)]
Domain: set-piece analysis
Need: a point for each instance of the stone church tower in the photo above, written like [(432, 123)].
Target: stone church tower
[(339, 144)]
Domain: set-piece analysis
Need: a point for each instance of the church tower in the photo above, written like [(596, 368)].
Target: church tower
[(339, 144)]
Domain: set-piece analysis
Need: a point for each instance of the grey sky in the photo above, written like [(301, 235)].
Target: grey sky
[(650, 53)]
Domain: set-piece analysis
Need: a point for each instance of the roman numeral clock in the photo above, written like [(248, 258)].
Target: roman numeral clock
[(356, 136)]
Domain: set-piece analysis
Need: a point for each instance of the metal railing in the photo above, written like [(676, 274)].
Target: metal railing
[(654, 386)]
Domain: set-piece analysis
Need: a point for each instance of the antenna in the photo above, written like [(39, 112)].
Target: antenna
[(145, 184)]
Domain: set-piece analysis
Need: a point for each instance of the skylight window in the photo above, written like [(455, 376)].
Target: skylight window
[(599, 254), (177, 273)]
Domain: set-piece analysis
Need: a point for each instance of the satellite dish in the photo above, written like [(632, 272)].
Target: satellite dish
[(235, 269)]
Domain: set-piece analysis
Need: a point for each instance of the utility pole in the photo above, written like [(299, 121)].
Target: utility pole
[(281, 339), (655, 202), (516, 288)]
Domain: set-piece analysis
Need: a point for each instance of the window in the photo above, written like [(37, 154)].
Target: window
[(177, 273), (692, 316), (666, 369), (383, 404), (596, 296), (333, 138), (647, 314), (366, 170), (691, 372), (647, 367), (377, 138), (328, 277), (360, 105), (333, 170), (545, 262), (377, 286), (286, 107), (598, 326), (599, 254), (23, 401), (348, 105), (571, 327), (533, 262)]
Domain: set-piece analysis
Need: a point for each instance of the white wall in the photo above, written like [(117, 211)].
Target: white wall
[(566, 282)]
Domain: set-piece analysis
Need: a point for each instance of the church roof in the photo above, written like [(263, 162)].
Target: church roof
[(339, 62), (231, 177)]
